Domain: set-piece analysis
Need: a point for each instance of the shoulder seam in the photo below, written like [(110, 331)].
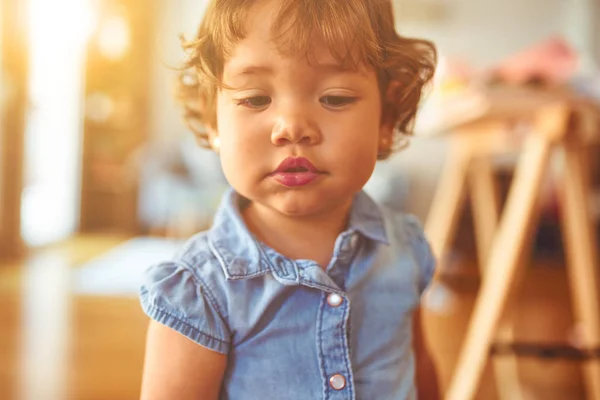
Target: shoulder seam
[(206, 288)]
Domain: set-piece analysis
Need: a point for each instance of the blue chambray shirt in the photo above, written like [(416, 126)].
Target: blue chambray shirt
[(291, 329)]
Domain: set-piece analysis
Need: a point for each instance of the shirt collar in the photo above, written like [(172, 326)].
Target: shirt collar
[(242, 257), (367, 218)]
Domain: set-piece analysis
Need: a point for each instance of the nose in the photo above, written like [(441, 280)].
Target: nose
[(295, 128)]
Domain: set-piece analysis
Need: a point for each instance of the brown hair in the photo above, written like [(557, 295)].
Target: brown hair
[(356, 31)]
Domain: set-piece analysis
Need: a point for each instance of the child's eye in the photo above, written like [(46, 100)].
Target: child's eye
[(254, 102), (337, 101)]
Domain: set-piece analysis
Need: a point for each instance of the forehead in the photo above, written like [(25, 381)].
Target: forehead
[(257, 50), (253, 57)]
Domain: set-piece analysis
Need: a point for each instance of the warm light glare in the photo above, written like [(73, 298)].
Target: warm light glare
[(59, 31), (113, 38), (68, 22)]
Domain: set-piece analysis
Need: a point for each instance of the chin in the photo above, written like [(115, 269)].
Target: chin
[(300, 203), (297, 205)]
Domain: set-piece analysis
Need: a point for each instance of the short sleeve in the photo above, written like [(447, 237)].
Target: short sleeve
[(421, 251), (172, 295)]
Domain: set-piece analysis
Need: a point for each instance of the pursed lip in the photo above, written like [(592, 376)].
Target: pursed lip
[(295, 165), (295, 171)]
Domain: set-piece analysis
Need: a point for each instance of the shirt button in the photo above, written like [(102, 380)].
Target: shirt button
[(337, 382), (334, 300)]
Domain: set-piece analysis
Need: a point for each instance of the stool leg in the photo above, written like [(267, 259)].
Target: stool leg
[(485, 203), (580, 240), (448, 201), (512, 237)]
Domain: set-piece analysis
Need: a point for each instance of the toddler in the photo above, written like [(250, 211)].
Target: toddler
[(303, 288)]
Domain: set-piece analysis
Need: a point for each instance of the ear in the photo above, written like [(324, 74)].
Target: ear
[(386, 140), (214, 139)]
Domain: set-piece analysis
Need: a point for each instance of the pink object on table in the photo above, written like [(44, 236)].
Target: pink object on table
[(552, 61)]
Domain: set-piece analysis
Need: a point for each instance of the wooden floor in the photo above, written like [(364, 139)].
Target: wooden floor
[(55, 345)]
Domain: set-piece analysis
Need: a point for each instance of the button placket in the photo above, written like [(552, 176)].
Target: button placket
[(334, 356)]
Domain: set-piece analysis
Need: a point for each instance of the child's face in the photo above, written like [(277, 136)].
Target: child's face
[(285, 106)]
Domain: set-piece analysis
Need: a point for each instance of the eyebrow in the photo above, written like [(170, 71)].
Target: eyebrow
[(252, 70), (328, 68), (334, 68)]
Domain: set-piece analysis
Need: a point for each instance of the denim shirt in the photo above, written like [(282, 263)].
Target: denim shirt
[(290, 328)]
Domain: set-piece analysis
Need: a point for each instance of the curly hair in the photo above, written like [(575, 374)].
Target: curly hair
[(355, 31)]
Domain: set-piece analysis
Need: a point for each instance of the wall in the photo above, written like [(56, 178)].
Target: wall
[(487, 30), (595, 16)]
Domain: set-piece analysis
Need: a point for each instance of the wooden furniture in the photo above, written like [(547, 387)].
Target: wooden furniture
[(538, 125), (14, 68)]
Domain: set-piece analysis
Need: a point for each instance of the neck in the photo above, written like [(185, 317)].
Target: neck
[(307, 237)]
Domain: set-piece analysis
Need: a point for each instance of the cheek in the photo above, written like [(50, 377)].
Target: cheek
[(226, 131), (357, 137), (238, 126), (357, 144), (355, 158), (228, 128), (224, 120)]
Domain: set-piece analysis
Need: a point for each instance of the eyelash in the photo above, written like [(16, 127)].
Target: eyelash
[(345, 100), (247, 102)]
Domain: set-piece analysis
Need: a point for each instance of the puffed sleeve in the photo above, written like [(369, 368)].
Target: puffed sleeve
[(172, 295), (421, 252)]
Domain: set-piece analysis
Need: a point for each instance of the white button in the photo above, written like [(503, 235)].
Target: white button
[(334, 300), (337, 381)]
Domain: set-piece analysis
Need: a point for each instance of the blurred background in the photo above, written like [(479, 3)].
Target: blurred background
[(100, 178)]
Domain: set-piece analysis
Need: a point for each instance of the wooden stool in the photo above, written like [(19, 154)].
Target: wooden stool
[(558, 121)]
